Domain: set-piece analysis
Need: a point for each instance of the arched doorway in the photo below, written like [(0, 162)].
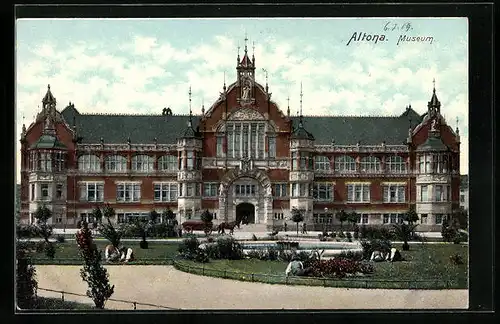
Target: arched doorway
[(245, 212)]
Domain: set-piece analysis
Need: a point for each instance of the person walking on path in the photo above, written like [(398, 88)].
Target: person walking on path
[(304, 228), (285, 226)]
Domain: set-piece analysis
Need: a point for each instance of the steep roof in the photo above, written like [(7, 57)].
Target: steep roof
[(118, 128), (47, 141), (349, 130), (344, 130)]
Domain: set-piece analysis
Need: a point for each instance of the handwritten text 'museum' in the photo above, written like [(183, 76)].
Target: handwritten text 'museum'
[(375, 38)]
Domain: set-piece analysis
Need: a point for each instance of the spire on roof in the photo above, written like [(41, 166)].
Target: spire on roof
[(433, 106), (224, 87), (288, 108), (246, 39), (301, 94), (202, 107), (48, 98), (190, 111), (457, 130)]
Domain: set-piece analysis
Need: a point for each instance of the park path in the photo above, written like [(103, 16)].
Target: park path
[(166, 286)]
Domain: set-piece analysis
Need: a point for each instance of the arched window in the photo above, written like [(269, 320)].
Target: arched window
[(370, 164), (89, 163), (142, 163), (116, 163), (167, 162), (322, 163), (345, 163), (395, 164)]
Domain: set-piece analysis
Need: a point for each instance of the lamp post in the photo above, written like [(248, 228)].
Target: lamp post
[(326, 216)]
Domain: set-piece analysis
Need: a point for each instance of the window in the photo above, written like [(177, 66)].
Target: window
[(295, 190), (278, 216), (210, 189), (323, 191), (395, 164), (92, 191), (302, 188), (165, 191), (428, 163), (345, 163), (462, 198), (59, 219), (59, 161), (400, 218), (167, 162), (87, 217), (423, 219), (303, 160), (272, 146), (448, 193), (245, 190), (364, 219), (32, 186), (130, 217), (142, 163), (190, 187), (441, 163), (421, 164), (59, 189), (120, 218), (424, 193), (116, 163), (45, 162), (393, 218), (280, 190), (386, 219), (394, 193), (358, 192), (322, 163), (128, 192), (220, 146), (247, 139), (370, 164), (190, 160), (295, 164), (89, 163), (45, 191), (439, 219), (439, 193)]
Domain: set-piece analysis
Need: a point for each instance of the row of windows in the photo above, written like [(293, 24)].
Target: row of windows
[(139, 163), (433, 163), (44, 192), (131, 192), (390, 218), (47, 161), (346, 163), (439, 193)]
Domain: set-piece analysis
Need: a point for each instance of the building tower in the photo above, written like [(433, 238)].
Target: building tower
[(433, 180), (245, 70), (302, 168), (189, 148), (47, 165)]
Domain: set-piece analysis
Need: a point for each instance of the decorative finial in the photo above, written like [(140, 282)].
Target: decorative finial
[(246, 39), (301, 94), (128, 140), (224, 87), (48, 87), (238, 51), (102, 140), (190, 100), (155, 140), (434, 85), (202, 106), (253, 50)]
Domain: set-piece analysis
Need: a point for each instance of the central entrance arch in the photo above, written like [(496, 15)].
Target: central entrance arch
[(245, 212)]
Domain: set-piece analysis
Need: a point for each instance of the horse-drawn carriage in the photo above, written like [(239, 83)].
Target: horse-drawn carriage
[(197, 225)]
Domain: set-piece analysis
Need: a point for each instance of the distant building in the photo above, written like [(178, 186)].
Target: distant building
[(243, 157), (464, 191)]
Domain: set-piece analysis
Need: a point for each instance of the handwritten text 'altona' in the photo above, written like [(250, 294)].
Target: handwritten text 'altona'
[(364, 37)]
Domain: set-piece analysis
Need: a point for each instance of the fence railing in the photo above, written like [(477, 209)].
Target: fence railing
[(133, 303), (79, 261), (368, 282)]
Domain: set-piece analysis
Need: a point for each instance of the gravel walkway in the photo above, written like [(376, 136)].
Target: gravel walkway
[(166, 286)]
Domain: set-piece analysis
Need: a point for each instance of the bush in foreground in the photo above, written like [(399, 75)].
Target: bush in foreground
[(339, 268), (375, 245)]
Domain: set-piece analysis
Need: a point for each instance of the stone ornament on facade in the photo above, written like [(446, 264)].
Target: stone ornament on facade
[(246, 114)]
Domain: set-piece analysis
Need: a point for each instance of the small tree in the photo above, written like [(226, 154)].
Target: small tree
[(169, 215), (153, 216), (93, 272), (42, 215), (404, 233), (342, 217), (26, 284), (297, 217), (143, 229), (411, 215), (108, 231), (353, 218), (461, 217), (97, 215)]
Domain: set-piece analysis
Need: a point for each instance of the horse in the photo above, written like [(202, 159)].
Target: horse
[(230, 226)]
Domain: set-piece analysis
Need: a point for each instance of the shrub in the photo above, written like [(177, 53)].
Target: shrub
[(229, 248), (60, 238), (272, 254), (325, 233), (333, 234), (187, 249), (255, 254), (143, 244), (341, 235), (352, 255), (212, 251), (456, 259), (286, 255), (348, 235), (26, 284), (339, 267), (362, 231), (375, 245), (210, 239)]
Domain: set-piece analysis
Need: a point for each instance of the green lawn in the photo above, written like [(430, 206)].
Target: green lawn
[(426, 266), (67, 252)]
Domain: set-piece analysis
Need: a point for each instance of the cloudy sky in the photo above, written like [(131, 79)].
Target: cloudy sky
[(140, 66)]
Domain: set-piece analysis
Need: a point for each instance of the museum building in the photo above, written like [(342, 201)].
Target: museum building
[(243, 156)]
